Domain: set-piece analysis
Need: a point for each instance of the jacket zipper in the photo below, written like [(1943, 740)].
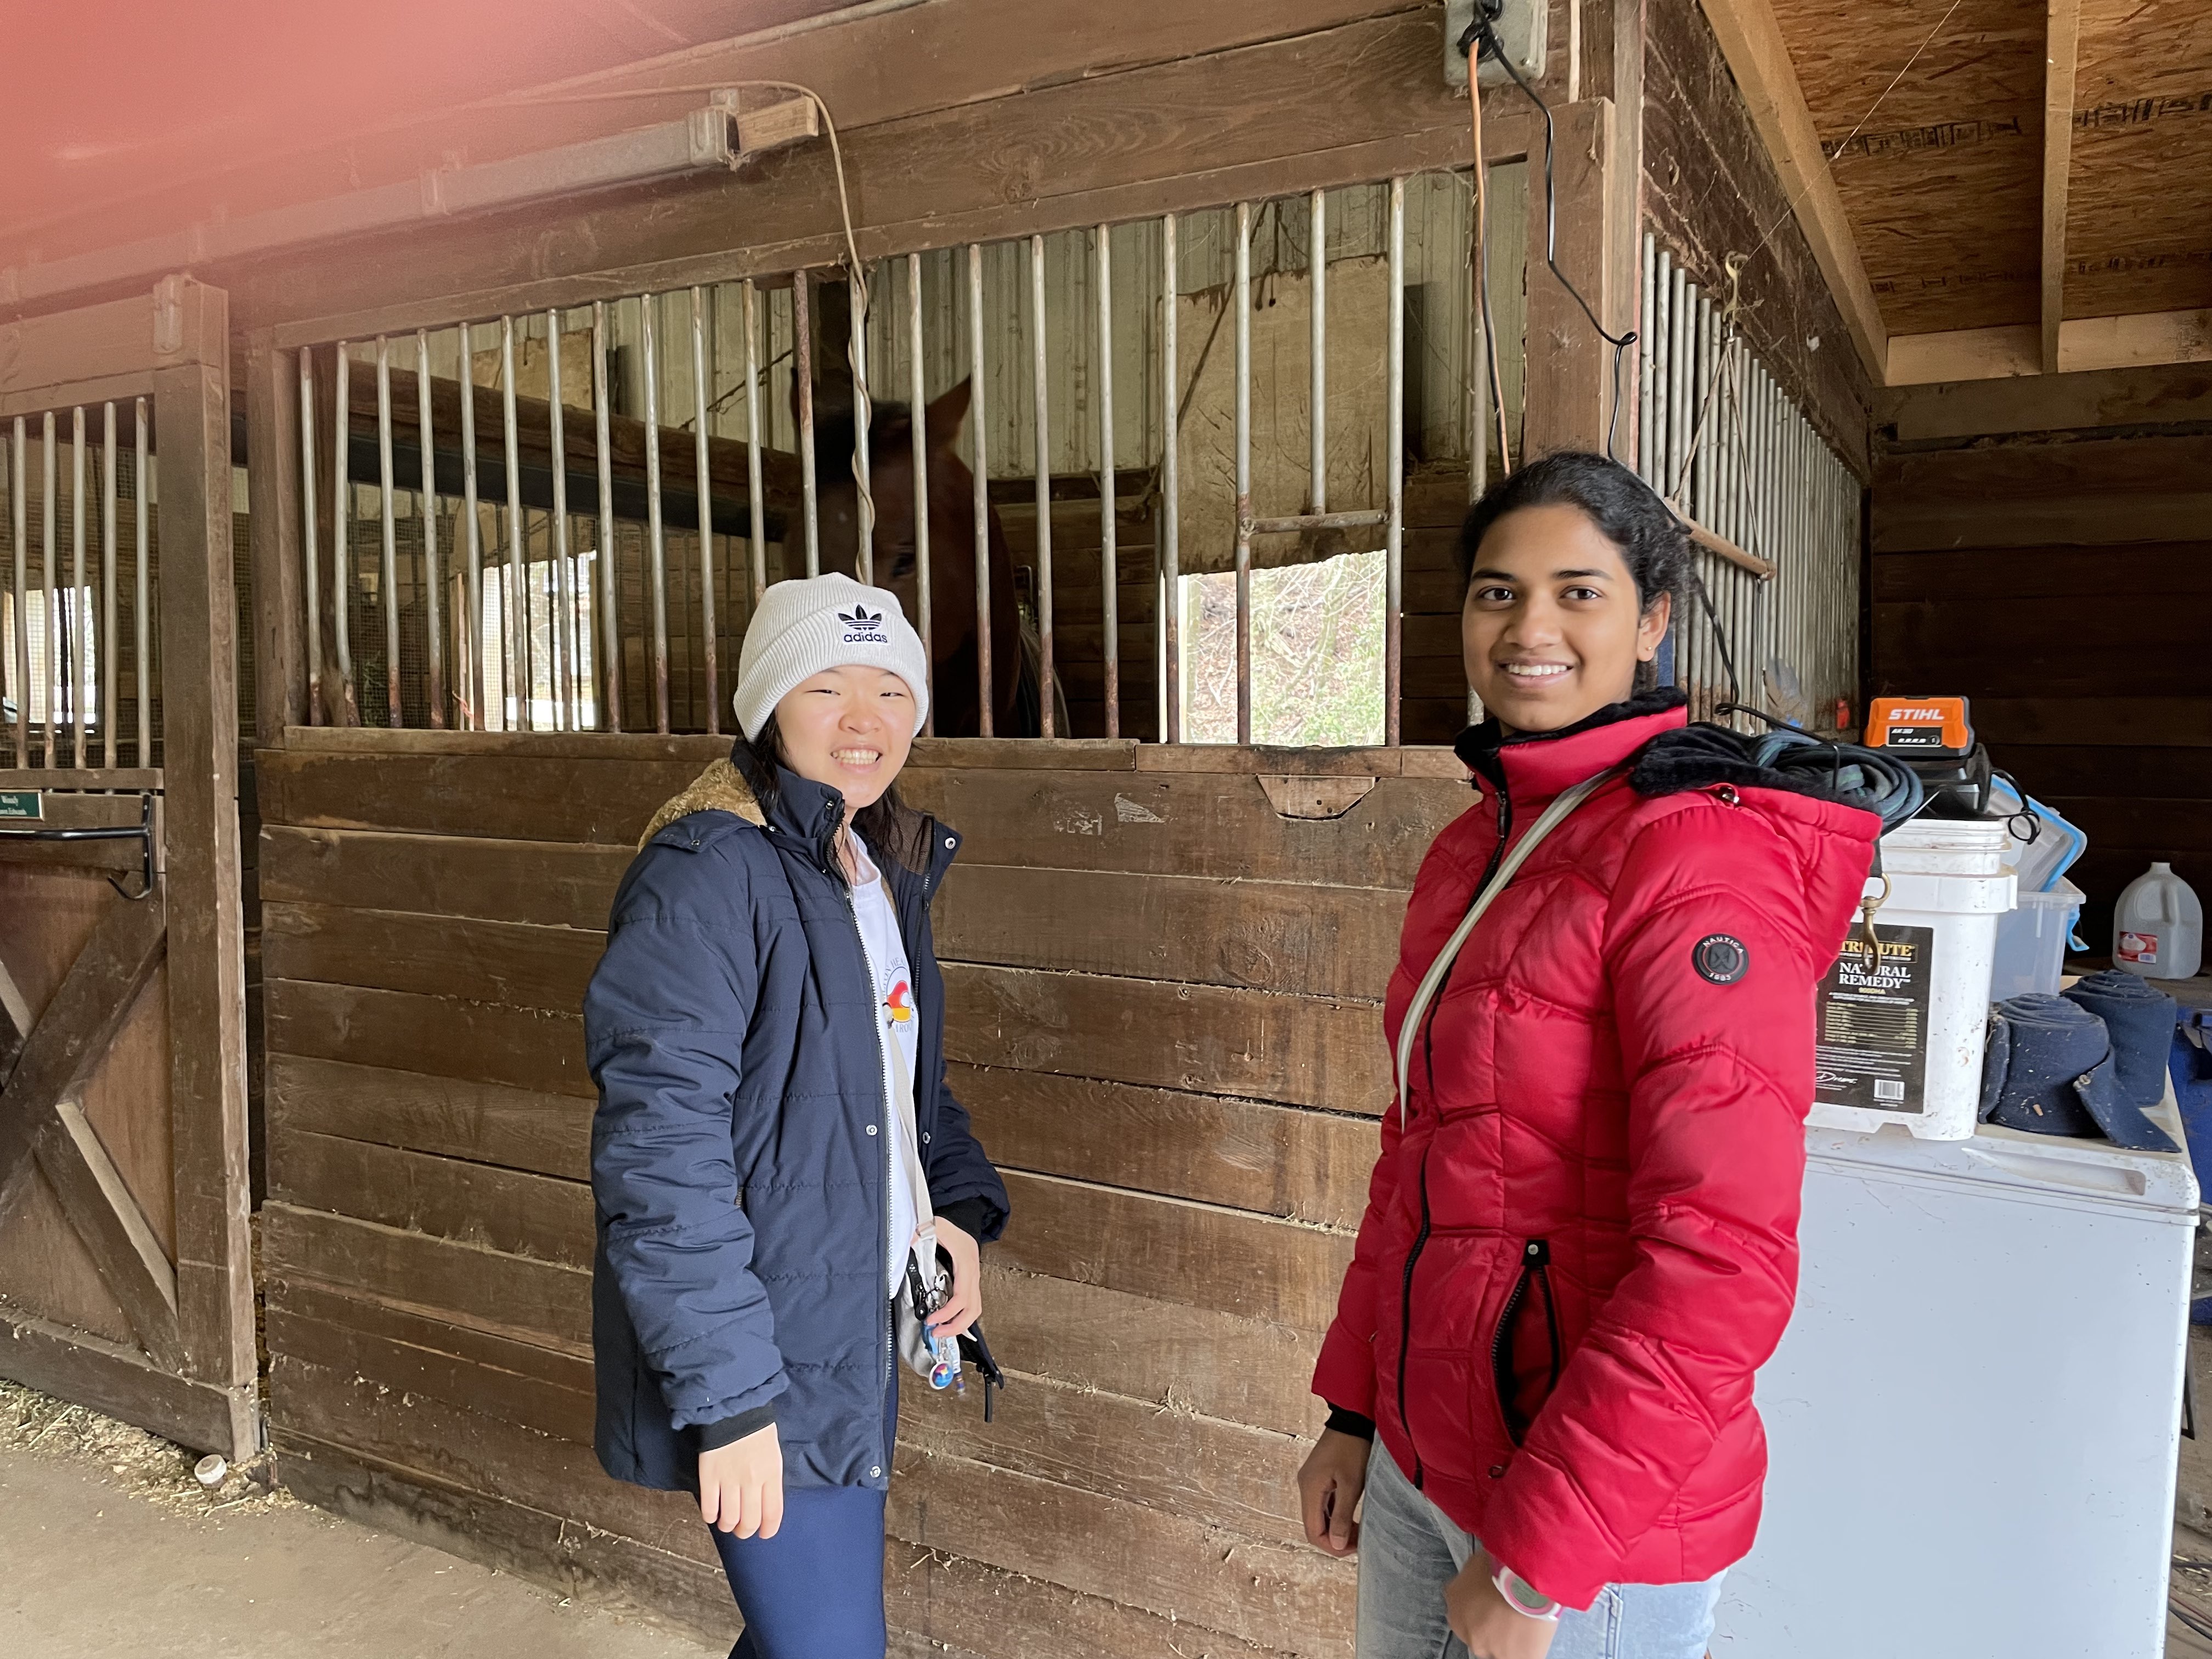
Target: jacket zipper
[(1421, 1237), (883, 1099), (1537, 1268)]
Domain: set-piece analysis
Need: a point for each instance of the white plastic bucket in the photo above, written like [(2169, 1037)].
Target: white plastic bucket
[(1901, 1034), (2031, 949)]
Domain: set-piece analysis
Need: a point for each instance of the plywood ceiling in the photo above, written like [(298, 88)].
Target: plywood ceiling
[(1938, 159)]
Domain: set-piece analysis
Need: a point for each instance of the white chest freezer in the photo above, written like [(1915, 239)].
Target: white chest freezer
[(1974, 1416)]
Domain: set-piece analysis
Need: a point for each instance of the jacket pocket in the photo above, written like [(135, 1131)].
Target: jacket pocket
[(1518, 1403)]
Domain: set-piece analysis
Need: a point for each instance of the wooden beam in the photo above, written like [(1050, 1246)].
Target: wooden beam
[(1757, 56), (2061, 32), (197, 618), (272, 468), (112, 1378), (2143, 340)]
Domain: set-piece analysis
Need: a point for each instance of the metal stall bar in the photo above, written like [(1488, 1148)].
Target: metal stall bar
[(707, 615), (341, 535), (80, 615), (611, 648), (1679, 353), (1662, 376), (310, 555), (1646, 311), (390, 568), (1110, 595), (19, 485), (140, 611), (856, 346), (802, 359), (433, 599), (982, 490), (918, 431), (50, 597), (1170, 602), (1393, 616), (1318, 351), (563, 597), (1042, 386), (511, 659), (1244, 303), (108, 586), (657, 549), (759, 509), (479, 685)]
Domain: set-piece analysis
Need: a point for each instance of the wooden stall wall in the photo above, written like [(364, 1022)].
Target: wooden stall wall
[(2044, 547), (1711, 195), (1161, 1011)]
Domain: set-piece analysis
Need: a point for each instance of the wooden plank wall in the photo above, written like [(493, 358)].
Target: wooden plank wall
[(1709, 193), (1161, 1014), (2061, 575)]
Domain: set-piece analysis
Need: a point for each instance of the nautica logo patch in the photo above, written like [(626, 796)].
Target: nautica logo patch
[(863, 626)]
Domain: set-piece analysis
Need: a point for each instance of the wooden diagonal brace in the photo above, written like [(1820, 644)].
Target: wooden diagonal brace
[(42, 1126)]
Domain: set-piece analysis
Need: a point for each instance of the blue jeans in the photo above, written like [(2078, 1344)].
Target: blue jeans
[(1409, 1549), (816, 1590)]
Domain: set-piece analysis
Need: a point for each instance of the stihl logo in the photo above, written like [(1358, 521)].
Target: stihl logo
[(1916, 714)]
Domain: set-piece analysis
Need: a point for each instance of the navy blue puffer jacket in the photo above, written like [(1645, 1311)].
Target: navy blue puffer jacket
[(740, 1151)]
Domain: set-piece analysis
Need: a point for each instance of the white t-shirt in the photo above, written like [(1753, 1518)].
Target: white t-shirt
[(900, 1023)]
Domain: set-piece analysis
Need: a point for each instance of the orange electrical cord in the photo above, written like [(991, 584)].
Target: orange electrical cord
[(1482, 267)]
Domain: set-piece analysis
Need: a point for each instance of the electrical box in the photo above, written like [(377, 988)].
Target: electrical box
[(1520, 27)]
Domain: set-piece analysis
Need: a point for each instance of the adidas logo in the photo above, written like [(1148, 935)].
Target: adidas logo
[(863, 626)]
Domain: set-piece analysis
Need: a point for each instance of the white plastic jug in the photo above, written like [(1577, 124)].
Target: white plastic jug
[(2159, 929)]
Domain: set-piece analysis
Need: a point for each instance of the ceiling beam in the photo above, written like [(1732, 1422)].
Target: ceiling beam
[(1757, 56), (2062, 34), (2139, 340)]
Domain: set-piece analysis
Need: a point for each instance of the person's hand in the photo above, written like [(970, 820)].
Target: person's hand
[(1329, 1485), (1487, 1622), (965, 1305), (741, 1485)]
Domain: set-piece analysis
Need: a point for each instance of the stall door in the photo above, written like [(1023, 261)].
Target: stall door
[(124, 1273)]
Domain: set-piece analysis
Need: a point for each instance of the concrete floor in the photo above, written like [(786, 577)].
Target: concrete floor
[(100, 1562)]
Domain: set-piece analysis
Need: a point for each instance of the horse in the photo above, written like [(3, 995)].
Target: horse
[(955, 699)]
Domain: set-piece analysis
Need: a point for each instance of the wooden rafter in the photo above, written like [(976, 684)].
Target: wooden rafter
[(2062, 36), (42, 1124), (2143, 340), (1757, 56)]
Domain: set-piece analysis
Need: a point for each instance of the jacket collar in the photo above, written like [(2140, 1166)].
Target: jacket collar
[(807, 814), (1534, 767)]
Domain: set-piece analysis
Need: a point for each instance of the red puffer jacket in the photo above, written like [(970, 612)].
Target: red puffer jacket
[(1582, 1241)]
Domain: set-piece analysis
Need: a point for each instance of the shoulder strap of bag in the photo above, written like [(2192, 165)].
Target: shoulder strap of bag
[(1425, 992)]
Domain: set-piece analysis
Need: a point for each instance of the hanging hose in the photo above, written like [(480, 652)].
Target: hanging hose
[(1865, 778)]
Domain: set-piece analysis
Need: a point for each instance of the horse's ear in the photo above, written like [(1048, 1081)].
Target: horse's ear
[(945, 415)]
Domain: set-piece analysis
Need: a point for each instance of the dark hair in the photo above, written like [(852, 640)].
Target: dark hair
[(891, 828), (1654, 544)]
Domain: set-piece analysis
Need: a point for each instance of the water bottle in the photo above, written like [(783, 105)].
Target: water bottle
[(2159, 929)]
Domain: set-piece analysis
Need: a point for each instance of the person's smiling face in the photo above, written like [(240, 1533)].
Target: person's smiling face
[(1552, 628), (851, 728)]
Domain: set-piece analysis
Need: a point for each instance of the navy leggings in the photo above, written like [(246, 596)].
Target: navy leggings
[(816, 1590)]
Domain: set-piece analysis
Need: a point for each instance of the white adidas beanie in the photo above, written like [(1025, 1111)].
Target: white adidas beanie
[(813, 623)]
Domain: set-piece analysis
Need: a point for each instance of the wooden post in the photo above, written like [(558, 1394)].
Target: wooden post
[(206, 961), (272, 474), (1570, 369)]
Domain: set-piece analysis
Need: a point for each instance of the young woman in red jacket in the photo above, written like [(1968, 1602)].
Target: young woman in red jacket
[(1580, 1240)]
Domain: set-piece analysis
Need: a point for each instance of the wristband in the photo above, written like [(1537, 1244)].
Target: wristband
[(1523, 1597)]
